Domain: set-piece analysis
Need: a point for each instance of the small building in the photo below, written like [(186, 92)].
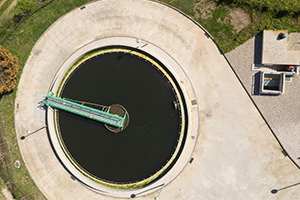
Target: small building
[(279, 62)]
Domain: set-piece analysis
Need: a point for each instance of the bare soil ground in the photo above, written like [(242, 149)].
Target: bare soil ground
[(240, 19)]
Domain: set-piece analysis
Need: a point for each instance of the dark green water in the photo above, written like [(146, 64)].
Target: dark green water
[(151, 136)]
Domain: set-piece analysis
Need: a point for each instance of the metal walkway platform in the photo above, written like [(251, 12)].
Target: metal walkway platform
[(85, 111)]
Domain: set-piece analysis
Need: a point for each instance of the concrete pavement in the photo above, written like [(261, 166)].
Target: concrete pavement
[(236, 155), (281, 112)]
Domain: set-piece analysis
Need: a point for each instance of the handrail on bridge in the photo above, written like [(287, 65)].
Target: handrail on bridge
[(85, 111)]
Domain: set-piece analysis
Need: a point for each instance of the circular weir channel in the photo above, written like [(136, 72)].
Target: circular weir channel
[(123, 81)]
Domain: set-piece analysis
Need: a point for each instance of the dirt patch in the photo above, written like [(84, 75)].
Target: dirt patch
[(240, 19)]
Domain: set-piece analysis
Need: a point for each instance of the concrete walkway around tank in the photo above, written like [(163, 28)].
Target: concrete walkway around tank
[(183, 82), (236, 156)]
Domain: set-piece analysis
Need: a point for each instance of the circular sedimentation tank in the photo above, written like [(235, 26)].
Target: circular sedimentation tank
[(73, 149), (136, 84)]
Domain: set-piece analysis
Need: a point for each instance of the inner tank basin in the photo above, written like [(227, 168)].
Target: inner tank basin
[(138, 88)]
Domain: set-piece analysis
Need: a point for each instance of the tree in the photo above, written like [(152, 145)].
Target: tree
[(9, 67)]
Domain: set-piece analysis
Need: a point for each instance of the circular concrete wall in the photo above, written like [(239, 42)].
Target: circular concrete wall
[(155, 28), (186, 119)]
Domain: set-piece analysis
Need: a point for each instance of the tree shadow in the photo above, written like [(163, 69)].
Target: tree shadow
[(282, 13), (258, 48), (6, 93)]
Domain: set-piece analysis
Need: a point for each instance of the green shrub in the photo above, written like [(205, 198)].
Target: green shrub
[(24, 7)]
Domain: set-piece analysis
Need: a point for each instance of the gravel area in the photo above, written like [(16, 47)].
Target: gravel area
[(281, 112)]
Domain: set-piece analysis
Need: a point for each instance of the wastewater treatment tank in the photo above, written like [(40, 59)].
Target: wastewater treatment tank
[(155, 132), (103, 55)]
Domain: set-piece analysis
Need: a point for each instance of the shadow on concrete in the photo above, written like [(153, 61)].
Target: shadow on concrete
[(258, 48), (274, 191), (41, 105), (255, 83), (29, 133)]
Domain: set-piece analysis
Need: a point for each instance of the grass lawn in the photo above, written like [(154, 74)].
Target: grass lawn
[(221, 20), (214, 18), (4, 6)]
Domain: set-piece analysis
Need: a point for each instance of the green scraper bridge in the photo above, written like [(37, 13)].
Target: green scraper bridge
[(85, 111)]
